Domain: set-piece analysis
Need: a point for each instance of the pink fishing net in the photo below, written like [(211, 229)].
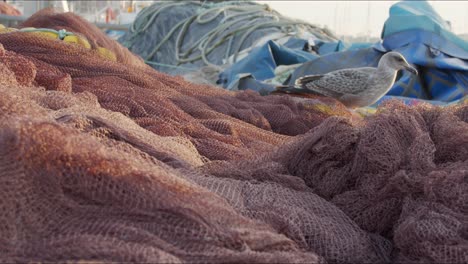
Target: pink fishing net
[(113, 161), (9, 10)]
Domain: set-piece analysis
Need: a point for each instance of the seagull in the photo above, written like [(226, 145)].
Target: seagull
[(354, 87)]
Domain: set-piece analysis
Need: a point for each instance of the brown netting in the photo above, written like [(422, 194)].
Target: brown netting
[(102, 161), (9, 10)]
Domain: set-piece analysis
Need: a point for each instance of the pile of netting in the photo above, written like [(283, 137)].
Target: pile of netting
[(105, 160)]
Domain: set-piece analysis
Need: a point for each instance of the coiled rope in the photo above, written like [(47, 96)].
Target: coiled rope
[(226, 31)]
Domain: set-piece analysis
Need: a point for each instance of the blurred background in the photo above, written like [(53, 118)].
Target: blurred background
[(361, 20), (352, 21)]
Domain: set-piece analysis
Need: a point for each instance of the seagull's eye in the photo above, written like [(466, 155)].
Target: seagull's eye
[(399, 59)]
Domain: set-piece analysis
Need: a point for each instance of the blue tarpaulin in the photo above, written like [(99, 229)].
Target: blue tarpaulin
[(413, 29), (262, 61)]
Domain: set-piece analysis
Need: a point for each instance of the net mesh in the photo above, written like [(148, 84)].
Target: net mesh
[(8, 9), (102, 161)]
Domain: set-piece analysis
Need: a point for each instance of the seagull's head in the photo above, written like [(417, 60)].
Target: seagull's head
[(397, 62)]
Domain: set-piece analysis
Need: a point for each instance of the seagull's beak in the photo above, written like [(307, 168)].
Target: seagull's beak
[(411, 69)]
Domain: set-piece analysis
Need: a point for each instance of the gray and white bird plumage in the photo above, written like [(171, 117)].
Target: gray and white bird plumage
[(354, 87)]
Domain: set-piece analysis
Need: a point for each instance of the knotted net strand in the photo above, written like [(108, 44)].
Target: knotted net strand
[(113, 161)]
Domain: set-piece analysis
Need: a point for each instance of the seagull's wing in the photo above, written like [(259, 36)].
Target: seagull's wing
[(340, 82), (305, 79), (298, 86)]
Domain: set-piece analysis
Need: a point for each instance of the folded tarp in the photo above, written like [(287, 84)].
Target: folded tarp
[(262, 61), (424, 38)]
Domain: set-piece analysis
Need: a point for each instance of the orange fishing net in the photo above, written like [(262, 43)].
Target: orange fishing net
[(113, 161)]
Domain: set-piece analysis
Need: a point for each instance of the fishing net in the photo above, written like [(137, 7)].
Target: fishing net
[(9, 10), (102, 161)]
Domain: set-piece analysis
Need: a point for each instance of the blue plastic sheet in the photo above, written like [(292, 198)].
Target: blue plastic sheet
[(424, 38), (324, 48), (419, 15), (262, 61)]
